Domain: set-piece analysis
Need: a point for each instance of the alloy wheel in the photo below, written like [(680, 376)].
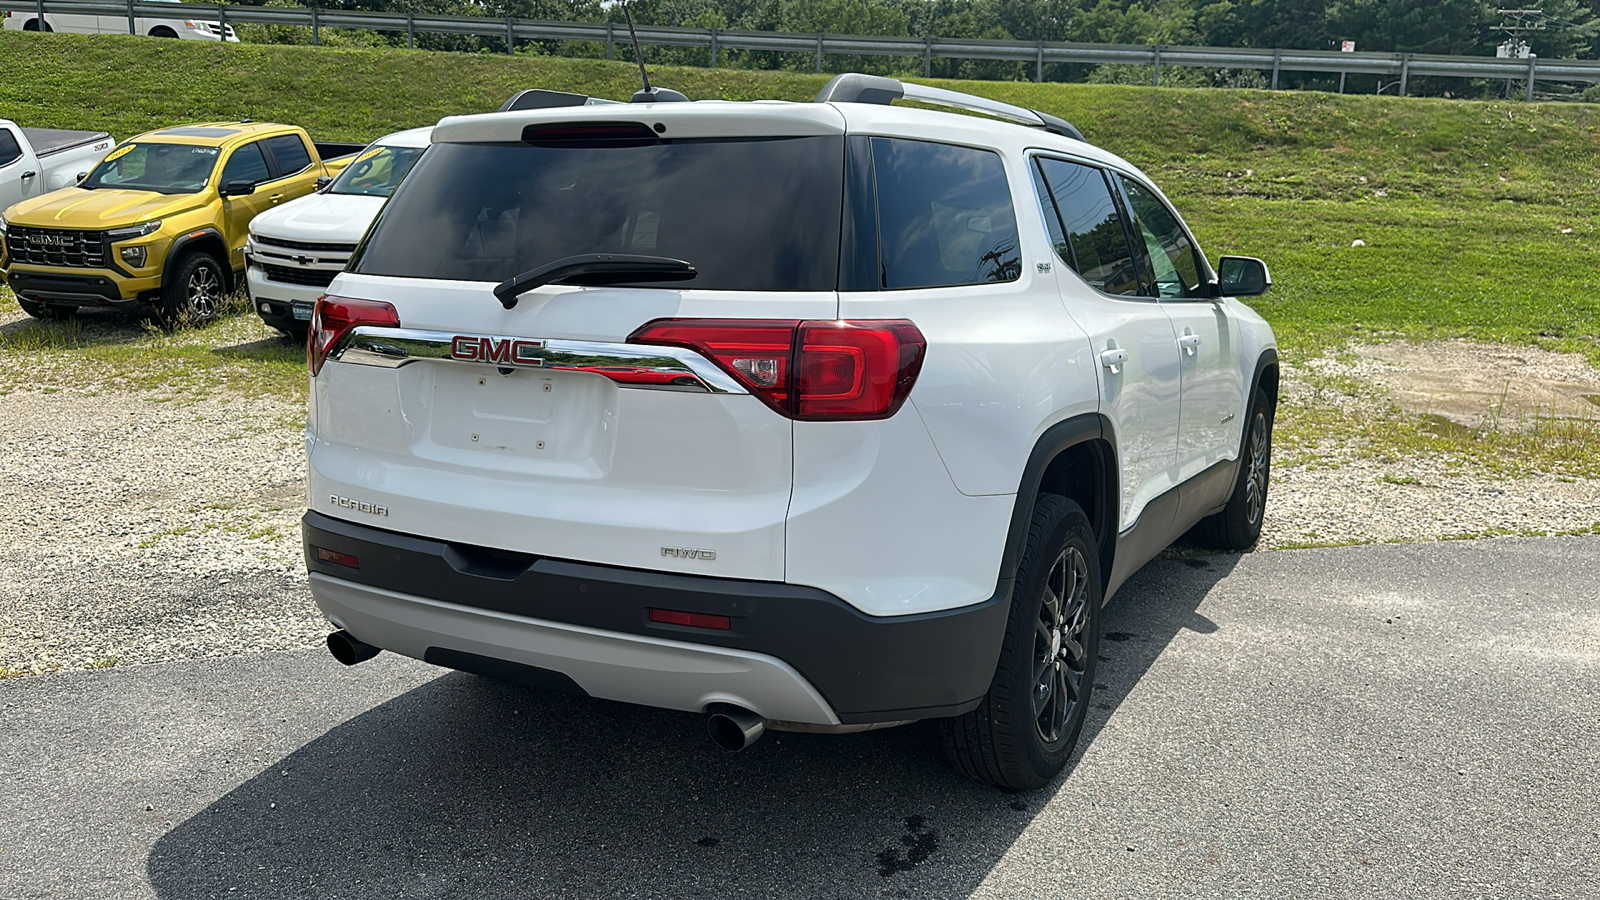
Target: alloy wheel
[(1255, 485), (1059, 657), (204, 292)]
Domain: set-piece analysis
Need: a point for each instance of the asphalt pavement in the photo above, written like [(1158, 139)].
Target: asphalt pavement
[(1414, 720)]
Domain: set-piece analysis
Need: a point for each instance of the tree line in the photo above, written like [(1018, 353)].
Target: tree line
[(1567, 28)]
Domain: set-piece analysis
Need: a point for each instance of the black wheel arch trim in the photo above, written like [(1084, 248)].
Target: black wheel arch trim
[(182, 245), (1267, 360), (1058, 439)]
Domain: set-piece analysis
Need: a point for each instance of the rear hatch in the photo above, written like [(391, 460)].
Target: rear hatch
[(540, 428)]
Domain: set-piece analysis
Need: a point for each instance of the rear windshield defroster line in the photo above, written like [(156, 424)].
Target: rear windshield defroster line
[(750, 214)]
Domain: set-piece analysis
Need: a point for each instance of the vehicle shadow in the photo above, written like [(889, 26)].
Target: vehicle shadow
[(86, 326), (465, 787)]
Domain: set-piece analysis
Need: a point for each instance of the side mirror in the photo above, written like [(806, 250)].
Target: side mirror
[(322, 182), (1242, 276), (240, 189)]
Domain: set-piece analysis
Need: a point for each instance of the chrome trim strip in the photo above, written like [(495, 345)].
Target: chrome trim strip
[(676, 368)]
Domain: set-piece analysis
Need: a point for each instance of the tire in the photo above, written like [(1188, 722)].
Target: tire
[(162, 31), (1025, 729), (195, 293), (45, 310), (1238, 526), (33, 25)]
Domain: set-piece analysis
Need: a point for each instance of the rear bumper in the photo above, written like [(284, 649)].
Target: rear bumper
[(631, 668), (793, 652)]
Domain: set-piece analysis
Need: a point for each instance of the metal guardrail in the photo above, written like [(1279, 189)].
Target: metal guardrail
[(1398, 66)]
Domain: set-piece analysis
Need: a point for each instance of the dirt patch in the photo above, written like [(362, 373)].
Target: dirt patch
[(1474, 384)]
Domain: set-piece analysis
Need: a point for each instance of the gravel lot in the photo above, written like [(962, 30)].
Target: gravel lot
[(138, 531)]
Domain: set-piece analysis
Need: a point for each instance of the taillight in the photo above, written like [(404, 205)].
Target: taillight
[(333, 316), (808, 370)]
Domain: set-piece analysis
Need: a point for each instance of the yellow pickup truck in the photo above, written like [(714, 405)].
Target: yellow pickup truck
[(161, 222)]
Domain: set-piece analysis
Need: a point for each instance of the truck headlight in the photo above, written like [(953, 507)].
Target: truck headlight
[(2, 224), (133, 231), (134, 256)]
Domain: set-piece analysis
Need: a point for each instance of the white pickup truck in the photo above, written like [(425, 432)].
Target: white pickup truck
[(35, 161), (294, 251)]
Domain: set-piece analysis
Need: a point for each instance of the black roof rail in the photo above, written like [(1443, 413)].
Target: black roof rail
[(539, 98), (853, 87)]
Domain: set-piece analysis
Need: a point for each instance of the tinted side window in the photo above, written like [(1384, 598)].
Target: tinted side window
[(289, 152), (10, 150), (944, 215), (246, 164), (1088, 234), (1172, 254)]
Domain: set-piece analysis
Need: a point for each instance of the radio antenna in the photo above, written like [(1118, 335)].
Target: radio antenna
[(649, 94), (638, 55)]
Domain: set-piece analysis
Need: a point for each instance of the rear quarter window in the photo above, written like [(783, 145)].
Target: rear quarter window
[(944, 215)]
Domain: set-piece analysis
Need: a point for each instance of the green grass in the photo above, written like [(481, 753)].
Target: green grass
[(1462, 204), (1478, 218), (117, 352)]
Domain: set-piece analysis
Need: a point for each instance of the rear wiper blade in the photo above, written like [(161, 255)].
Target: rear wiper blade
[(594, 268)]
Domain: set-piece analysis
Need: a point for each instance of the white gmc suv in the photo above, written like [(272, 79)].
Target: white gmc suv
[(807, 416)]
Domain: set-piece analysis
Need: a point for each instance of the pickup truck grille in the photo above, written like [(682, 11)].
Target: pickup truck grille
[(294, 275), (55, 247), (346, 249)]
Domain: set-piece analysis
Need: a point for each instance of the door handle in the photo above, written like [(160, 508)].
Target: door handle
[(29, 174), (1113, 358), (1189, 342), (276, 198)]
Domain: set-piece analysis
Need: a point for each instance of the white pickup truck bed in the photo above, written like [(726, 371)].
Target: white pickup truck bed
[(50, 141), (35, 161)]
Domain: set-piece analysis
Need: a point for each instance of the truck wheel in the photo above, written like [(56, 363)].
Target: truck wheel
[(1025, 729), (1238, 526), (45, 310), (33, 25), (163, 31), (195, 293)]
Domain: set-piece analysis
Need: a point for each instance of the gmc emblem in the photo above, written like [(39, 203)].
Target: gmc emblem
[(498, 351)]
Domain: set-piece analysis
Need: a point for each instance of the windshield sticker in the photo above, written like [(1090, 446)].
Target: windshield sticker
[(124, 150), (368, 155)]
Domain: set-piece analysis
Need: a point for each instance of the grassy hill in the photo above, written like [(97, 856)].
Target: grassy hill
[(1478, 218)]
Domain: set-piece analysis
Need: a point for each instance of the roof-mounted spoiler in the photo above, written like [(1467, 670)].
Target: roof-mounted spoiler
[(538, 98), (854, 87)]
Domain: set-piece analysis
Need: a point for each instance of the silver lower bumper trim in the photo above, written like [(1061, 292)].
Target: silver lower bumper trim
[(627, 667)]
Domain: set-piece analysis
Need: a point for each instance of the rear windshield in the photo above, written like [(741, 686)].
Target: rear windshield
[(749, 214)]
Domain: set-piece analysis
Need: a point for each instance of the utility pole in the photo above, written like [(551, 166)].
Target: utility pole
[(1514, 47)]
